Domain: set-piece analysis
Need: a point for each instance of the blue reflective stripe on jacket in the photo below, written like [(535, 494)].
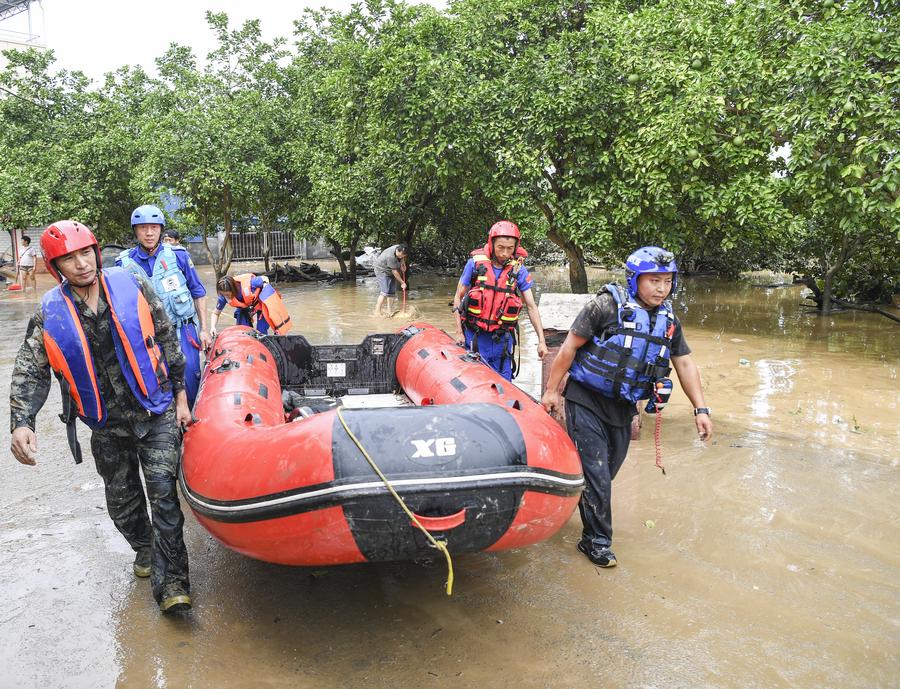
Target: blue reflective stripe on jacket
[(140, 358), (633, 356), (169, 283)]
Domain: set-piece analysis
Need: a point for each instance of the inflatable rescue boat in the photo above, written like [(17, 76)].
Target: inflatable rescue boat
[(475, 459)]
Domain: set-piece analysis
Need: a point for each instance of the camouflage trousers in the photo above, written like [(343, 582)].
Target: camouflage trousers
[(118, 452)]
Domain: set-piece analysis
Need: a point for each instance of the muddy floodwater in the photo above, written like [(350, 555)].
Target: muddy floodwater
[(769, 557)]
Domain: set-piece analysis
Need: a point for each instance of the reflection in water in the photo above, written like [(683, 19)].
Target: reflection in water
[(774, 378), (777, 540)]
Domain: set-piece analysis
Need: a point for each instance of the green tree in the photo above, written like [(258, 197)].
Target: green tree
[(695, 151), (41, 175), (69, 151), (838, 111), (534, 88), (626, 124), (326, 82), (210, 134)]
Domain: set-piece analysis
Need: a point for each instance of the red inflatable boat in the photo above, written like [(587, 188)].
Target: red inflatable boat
[(479, 462)]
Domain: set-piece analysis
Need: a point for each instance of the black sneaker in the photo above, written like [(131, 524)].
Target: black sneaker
[(175, 599), (602, 557), (141, 564)]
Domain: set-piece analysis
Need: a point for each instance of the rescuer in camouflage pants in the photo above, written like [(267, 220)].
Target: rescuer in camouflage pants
[(131, 437), (117, 452)]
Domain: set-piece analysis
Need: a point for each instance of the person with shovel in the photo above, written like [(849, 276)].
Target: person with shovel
[(390, 269)]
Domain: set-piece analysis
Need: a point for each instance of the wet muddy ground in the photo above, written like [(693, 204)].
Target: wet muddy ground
[(766, 558)]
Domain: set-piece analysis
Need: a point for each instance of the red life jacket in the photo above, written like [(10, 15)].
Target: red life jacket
[(493, 303)]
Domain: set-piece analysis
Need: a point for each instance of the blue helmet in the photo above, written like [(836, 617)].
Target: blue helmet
[(147, 215), (649, 259)]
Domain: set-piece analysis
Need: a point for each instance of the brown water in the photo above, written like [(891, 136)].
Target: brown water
[(767, 558)]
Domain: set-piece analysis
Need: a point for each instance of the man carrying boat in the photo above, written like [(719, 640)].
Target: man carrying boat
[(175, 280), (106, 336), (489, 298), (616, 352), (252, 295)]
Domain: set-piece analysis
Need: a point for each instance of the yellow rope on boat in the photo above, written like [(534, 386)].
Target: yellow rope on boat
[(440, 545)]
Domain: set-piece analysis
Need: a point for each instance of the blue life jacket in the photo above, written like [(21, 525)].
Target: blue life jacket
[(168, 282), (623, 363), (140, 357)]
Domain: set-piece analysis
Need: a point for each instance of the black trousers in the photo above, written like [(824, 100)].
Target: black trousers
[(118, 452), (602, 448)]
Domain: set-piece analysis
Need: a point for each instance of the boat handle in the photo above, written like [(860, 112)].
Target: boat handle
[(451, 521)]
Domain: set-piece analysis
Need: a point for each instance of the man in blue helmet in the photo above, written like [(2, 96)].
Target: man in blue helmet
[(176, 282), (619, 347)]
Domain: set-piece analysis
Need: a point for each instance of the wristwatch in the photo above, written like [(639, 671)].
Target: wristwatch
[(702, 410)]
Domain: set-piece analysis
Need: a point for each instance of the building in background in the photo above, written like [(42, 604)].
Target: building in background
[(21, 26)]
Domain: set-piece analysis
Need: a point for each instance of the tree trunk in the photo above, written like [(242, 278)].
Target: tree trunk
[(831, 271), (416, 219), (354, 243), (810, 282), (577, 273), (335, 248), (267, 247), (213, 259), (826, 292), (225, 251), (409, 234)]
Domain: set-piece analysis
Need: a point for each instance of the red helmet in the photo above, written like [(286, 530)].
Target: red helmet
[(502, 228), (63, 238)]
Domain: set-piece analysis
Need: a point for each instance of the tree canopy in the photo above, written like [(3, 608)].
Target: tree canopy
[(740, 135)]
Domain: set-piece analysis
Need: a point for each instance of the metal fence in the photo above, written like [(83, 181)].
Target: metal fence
[(249, 246)]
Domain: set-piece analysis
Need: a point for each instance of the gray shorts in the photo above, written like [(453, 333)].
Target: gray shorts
[(26, 269), (387, 284)]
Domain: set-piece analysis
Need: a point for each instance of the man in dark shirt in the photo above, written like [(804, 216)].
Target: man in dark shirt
[(599, 423), (127, 433)]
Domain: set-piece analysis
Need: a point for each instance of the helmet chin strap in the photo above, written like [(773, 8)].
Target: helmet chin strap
[(88, 288), (155, 246)]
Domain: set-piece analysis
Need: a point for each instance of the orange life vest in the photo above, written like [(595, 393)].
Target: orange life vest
[(134, 337), (265, 300)]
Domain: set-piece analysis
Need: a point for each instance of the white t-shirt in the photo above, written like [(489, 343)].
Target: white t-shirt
[(27, 255)]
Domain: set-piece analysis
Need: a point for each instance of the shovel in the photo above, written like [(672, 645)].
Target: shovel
[(403, 312)]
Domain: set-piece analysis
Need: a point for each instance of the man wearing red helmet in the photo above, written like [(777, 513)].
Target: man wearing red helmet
[(106, 336), (489, 298)]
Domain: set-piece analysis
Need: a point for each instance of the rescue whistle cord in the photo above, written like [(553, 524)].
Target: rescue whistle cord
[(657, 436), (440, 545)]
